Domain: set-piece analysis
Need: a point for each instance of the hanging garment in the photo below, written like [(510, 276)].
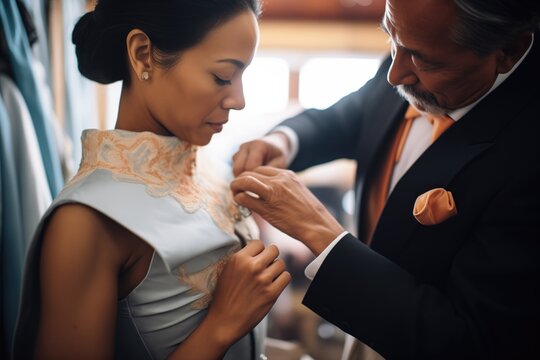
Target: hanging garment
[(21, 59), (38, 12), (34, 194), (13, 248)]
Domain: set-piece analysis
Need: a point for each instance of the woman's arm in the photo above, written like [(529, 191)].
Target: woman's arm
[(80, 262), (79, 282), (248, 286)]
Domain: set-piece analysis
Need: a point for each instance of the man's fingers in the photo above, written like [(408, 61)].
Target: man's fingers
[(239, 160), (249, 156), (268, 170), (252, 194), (254, 159), (249, 202), (251, 184), (278, 162)]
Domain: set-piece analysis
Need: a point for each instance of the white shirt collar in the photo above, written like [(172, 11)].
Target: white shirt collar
[(459, 113)]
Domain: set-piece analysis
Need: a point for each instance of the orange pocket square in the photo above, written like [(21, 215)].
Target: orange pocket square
[(434, 206)]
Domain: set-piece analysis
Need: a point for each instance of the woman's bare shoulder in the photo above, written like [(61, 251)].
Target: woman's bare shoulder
[(79, 280), (82, 234)]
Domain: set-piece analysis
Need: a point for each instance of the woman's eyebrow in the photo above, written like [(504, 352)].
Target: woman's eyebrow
[(239, 64)]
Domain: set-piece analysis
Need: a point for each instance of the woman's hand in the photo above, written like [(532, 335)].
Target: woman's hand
[(248, 286)]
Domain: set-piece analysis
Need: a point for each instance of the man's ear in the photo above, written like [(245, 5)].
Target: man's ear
[(509, 54), (139, 50)]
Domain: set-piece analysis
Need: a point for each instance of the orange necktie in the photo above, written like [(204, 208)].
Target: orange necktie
[(378, 193)]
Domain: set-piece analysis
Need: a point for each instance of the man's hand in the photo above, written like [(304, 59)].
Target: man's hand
[(287, 204), (272, 150)]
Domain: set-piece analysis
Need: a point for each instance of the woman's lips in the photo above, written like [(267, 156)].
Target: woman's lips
[(217, 126)]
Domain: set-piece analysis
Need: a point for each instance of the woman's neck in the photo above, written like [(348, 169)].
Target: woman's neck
[(133, 115)]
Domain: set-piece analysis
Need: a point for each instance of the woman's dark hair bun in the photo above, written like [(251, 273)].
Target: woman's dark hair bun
[(172, 25), (99, 49)]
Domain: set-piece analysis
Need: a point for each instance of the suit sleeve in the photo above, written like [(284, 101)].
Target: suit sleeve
[(333, 133), (487, 308)]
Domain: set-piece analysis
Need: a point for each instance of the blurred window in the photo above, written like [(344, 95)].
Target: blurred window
[(266, 85), (323, 81)]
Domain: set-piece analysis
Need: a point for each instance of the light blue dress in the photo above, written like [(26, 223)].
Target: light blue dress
[(178, 201)]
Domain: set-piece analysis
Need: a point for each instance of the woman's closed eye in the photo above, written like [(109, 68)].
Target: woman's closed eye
[(222, 82)]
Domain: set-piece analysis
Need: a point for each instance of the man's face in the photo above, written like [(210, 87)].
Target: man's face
[(428, 68)]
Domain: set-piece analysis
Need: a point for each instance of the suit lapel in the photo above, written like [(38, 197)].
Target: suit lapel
[(435, 168), (458, 146), (379, 130)]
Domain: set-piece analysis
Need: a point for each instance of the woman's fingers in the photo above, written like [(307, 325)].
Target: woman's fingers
[(268, 255), (274, 270), (280, 283), (265, 266), (253, 248)]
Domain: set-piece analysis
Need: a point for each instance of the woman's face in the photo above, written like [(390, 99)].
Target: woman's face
[(192, 99)]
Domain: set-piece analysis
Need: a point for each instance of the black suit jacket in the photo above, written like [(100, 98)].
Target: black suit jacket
[(468, 287)]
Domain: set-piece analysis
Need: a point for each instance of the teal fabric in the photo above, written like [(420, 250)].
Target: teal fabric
[(22, 60), (38, 10)]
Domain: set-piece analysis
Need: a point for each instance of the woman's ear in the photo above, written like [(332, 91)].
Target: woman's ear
[(510, 54), (139, 49)]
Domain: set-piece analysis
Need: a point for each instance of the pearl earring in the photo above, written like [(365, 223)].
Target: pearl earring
[(145, 76)]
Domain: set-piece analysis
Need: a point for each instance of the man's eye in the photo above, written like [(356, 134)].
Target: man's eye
[(221, 82), (422, 64)]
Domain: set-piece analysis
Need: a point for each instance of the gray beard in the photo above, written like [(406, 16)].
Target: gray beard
[(422, 100)]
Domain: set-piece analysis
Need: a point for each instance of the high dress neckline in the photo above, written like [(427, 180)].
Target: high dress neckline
[(165, 165)]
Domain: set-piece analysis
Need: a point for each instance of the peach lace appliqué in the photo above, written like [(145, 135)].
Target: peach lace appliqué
[(165, 165), (205, 280)]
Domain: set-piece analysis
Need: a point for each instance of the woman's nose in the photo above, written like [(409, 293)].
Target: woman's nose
[(235, 100)]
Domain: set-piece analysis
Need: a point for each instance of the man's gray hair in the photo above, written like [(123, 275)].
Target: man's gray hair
[(485, 25)]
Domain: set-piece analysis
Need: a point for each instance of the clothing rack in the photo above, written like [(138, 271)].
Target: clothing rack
[(29, 26), (28, 22)]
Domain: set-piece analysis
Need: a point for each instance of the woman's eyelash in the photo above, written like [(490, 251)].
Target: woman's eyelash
[(221, 81)]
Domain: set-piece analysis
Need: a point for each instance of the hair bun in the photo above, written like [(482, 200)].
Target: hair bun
[(99, 50)]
